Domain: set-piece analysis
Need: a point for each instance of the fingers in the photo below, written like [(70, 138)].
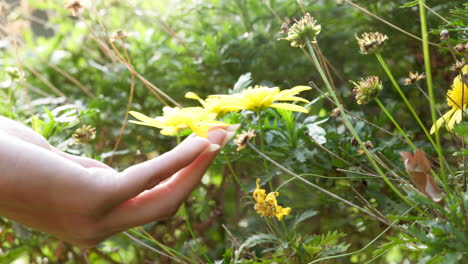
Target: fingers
[(83, 161), (164, 199), (146, 175)]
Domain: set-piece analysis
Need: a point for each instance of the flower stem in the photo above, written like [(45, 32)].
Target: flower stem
[(353, 131), (413, 112), (384, 109), (430, 88), (262, 147), (189, 228)]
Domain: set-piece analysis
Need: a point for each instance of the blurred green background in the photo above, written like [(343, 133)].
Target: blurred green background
[(204, 47)]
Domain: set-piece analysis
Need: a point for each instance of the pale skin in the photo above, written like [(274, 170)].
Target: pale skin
[(83, 201)]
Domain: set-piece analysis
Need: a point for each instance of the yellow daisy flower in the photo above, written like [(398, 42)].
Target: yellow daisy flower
[(457, 99), (260, 97), (175, 120), (267, 205), (212, 103)]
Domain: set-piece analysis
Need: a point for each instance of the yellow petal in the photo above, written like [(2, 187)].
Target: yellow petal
[(294, 98), (169, 131), (291, 107), (440, 121), (454, 118), (293, 91), (145, 119), (192, 95)]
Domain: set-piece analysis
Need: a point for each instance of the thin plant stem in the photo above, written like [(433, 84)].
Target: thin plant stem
[(367, 12), (234, 173), (353, 131), (151, 248), (167, 249), (365, 247), (187, 215), (337, 197), (189, 228), (262, 147), (384, 109), (350, 113), (415, 115), (127, 108), (436, 14), (430, 88)]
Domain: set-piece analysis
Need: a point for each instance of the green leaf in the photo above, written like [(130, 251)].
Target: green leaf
[(461, 129), (305, 215), (410, 4), (244, 81)]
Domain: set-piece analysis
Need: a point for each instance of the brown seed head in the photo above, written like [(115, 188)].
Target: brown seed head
[(84, 134), (242, 138), (303, 31), (285, 25), (462, 48), (75, 6), (458, 65), (367, 89), (371, 43), (368, 145), (413, 78), (335, 112), (444, 34), (119, 34)]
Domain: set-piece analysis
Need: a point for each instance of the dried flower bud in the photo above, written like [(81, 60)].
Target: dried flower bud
[(462, 48), (444, 34), (14, 73), (285, 25), (372, 42), (75, 6), (413, 78), (458, 65), (368, 145), (418, 168), (242, 139), (367, 89), (302, 31), (119, 34), (335, 112), (84, 134)]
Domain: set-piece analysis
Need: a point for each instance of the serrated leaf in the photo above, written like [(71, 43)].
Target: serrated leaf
[(305, 215), (410, 4), (253, 241), (243, 82), (461, 129), (463, 152)]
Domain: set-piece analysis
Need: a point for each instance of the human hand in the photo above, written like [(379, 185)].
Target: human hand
[(82, 201)]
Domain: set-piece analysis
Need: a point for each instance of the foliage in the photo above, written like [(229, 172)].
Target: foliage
[(77, 76)]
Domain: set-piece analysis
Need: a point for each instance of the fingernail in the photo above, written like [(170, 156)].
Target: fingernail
[(233, 127), (212, 148), (229, 136)]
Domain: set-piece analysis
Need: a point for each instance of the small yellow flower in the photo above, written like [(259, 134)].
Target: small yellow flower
[(457, 99), (260, 97), (267, 205), (212, 103), (175, 120)]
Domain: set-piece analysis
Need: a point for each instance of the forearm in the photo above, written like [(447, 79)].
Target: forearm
[(18, 130), (26, 169)]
